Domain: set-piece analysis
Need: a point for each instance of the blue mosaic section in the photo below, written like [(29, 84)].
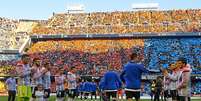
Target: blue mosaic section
[(8, 57), (161, 52)]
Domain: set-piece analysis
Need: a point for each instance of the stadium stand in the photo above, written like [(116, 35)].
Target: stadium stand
[(6, 67), (153, 52), (122, 22), (92, 57), (85, 54), (6, 32), (159, 51), (10, 39)]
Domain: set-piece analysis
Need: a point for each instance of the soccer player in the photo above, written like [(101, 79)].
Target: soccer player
[(174, 77), (37, 75), (110, 84), (60, 78), (183, 87), (81, 88), (87, 88), (93, 89), (37, 71), (72, 84), (11, 84), (131, 76), (46, 78), (24, 85)]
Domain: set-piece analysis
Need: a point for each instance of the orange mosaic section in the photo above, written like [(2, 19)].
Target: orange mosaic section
[(92, 46)]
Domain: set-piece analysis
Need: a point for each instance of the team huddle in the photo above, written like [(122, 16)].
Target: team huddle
[(34, 82)]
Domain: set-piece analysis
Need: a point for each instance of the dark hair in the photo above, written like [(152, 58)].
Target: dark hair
[(40, 85), (35, 62), (72, 68), (25, 55), (183, 60), (170, 64), (133, 56), (46, 64), (35, 59)]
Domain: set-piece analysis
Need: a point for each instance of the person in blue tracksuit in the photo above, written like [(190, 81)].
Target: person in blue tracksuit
[(110, 83), (81, 88), (93, 89), (89, 88), (131, 76), (86, 89)]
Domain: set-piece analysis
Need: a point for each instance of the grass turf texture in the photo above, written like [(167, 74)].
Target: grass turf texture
[(53, 98)]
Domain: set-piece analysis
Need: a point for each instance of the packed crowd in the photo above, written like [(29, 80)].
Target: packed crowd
[(92, 55), (152, 50), (93, 46), (86, 55), (8, 24), (123, 22), (157, 51), (6, 32), (6, 67), (9, 38), (196, 87), (104, 23), (8, 57)]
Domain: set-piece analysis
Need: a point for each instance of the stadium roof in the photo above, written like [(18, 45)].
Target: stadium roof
[(145, 6)]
